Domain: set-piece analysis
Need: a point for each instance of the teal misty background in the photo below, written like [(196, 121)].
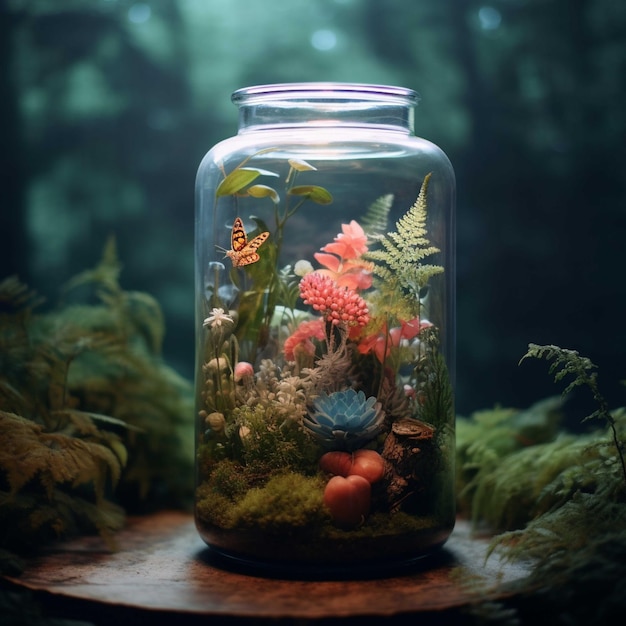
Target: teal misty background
[(108, 106)]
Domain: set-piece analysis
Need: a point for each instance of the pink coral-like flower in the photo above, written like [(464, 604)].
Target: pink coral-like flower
[(351, 243), (301, 339), (356, 275), (337, 304), (407, 330), (378, 343), (382, 342), (341, 258)]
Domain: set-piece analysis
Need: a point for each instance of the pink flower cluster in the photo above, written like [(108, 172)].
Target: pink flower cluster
[(300, 341), (337, 304), (342, 261), (332, 291)]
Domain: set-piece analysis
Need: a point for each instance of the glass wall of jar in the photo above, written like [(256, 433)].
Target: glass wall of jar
[(325, 325)]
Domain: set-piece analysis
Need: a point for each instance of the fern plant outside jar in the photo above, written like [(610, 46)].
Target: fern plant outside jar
[(325, 325)]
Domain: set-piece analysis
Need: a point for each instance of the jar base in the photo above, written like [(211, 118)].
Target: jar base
[(273, 558), (221, 559)]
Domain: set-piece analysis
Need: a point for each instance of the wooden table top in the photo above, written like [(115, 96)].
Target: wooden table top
[(161, 568)]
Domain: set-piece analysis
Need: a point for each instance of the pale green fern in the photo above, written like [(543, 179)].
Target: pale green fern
[(375, 220), (398, 262)]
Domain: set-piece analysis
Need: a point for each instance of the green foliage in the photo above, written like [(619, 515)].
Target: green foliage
[(556, 498), (483, 443), (399, 262), (565, 363), (264, 288), (541, 478), (229, 480), (122, 374), (434, 387), (271, 443), (287, 294), (93, 422), (239, 178), (576, 548), (317, 194), (375, 220), (54, 483), (570, 363), (286, 501), (51, 459), (213, 507)]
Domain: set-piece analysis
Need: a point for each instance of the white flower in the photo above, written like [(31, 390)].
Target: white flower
[(217, 318), (302, 268)]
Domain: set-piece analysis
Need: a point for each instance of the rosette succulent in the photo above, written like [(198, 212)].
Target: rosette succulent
[(345, 420)]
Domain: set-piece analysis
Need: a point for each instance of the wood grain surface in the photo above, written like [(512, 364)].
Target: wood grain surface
[(162, 567)]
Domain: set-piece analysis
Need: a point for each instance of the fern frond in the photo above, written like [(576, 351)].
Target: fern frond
[(29, 453), (83, 394), (105, 274), (410, 240), (570, 363), (375, 220), (140, 315), (564, 363), (16, 296), (388, 299), (398, 262)]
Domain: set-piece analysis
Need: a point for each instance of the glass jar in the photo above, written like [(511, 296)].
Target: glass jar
[(325, 325)]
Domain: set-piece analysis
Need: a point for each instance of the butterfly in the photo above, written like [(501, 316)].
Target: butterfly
[(244, 252)]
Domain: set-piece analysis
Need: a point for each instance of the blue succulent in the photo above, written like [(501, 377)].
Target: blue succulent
[(345, 420)]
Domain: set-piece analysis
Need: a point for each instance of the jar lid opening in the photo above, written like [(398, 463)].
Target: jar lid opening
[(325, 91)]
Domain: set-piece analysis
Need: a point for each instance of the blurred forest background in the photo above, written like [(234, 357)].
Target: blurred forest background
[(108, 106)]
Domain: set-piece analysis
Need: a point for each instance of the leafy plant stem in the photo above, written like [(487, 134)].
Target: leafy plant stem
[(278, 239), (569, 362), (604, 413), (385, 348)]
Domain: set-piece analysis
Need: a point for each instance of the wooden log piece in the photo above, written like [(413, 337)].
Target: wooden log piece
[(407, 452)]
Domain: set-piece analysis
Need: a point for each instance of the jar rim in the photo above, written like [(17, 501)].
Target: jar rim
[(325, 91)]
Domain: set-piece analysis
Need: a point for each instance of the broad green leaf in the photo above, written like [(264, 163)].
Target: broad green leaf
[(266, 172), (313, 192), (236, 181), (300, 165), (239, 178), (263, 191)]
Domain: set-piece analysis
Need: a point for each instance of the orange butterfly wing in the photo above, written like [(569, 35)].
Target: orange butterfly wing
[(244, 252), (238, 237)]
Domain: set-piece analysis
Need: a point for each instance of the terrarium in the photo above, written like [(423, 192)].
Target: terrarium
[(325, 329)]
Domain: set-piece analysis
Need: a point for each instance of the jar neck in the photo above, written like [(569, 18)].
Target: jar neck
[(271, 107)]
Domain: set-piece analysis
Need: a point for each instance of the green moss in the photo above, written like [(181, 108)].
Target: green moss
[(213, 507), (383, 524), (287, 501), (229, 480), (271, 443)]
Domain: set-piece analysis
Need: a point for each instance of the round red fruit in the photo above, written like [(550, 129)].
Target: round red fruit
[(348, 500), (369, 464)]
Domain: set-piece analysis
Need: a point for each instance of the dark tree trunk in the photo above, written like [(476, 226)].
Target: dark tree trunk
[(13, 240)]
